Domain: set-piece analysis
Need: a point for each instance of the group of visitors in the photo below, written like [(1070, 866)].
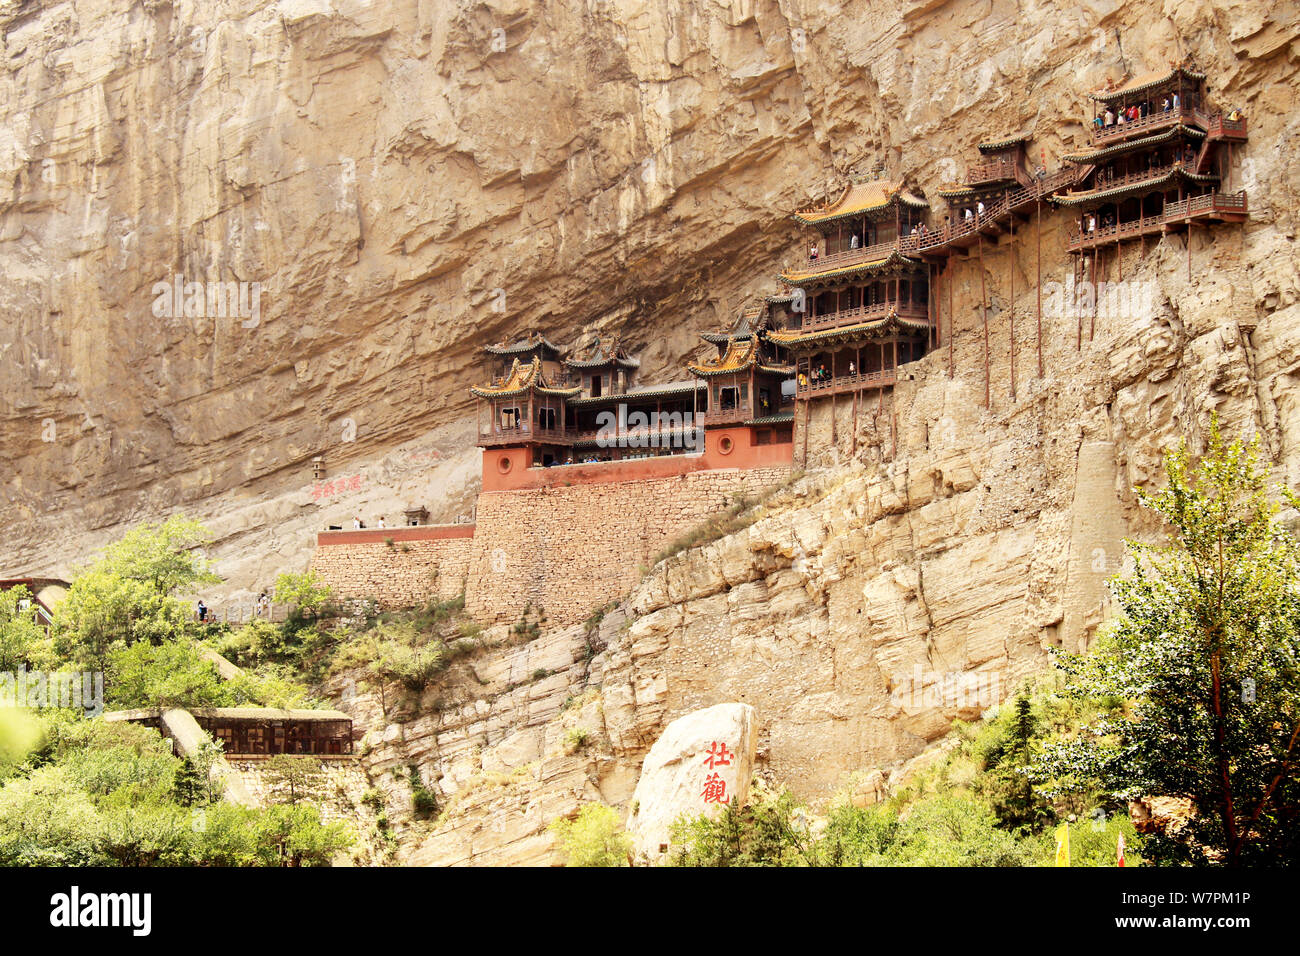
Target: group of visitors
[(359, 525), (1136, 111)]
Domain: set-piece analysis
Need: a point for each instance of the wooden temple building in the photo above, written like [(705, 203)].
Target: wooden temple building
[(542, 410), (863, 304), (1158, 162), (866, 296)]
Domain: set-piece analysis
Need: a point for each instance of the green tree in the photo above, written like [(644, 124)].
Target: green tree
[(296, 836), (593, 837), (307, 593), (165, 675), (130, 593), (291, 778), (21, 638), (1202, 664)]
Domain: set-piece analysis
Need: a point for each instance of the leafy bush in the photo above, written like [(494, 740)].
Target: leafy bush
[(593, 837)]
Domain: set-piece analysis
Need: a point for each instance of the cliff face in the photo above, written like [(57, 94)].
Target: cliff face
[(411, 181)]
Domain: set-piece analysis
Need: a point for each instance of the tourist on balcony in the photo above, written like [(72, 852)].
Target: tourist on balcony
[(967, 215), (1092, 223), (812, 253), (852, 369), (356, 524), (803, 380), (381, 522), (1109, 117), (853, 241), (1174, 101), (979, 207)]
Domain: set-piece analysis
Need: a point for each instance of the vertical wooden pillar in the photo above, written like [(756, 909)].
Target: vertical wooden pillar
[(984, 312), (1092, 315), (952, 316), (1039, 283), (1011, 253)]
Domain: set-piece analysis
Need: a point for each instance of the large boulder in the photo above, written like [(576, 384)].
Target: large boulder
[(699, 763)]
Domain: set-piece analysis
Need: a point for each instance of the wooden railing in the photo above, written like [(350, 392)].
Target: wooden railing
[(991, 171), (847, 383), (1078, 239), (506, 435), (1219, 126), (1101, 136), (1210, 202), (1114, 182), (907, 245), (1213, 202), (1012, 199), (864, 313)]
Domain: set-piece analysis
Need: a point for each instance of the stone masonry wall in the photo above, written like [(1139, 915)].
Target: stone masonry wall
[(398, 575), (568, 551)]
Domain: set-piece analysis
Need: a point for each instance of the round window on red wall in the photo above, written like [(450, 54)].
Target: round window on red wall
[(504, 464), (725, 445)]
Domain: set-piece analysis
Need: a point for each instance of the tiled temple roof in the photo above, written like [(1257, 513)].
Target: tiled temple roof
[(859, 198), (741, 356), (1143, 82), (600, 355), (526, 344), (876, 265), (1120, 148), (1125, 189), (995, 145), (876, 328), (521, 379)]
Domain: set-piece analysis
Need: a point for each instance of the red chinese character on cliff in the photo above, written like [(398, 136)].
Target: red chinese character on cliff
[(718, 755), (715, 789)]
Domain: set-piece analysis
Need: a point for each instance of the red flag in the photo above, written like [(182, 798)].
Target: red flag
[(1119, 851)]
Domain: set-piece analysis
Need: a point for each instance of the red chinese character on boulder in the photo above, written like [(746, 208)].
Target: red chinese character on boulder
[(715, 789), (718, 755)]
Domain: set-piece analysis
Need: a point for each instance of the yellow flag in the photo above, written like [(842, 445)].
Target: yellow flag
[(1063, 845)]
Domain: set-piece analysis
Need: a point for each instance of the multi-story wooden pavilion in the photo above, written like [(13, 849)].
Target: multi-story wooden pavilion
[(864, 306), (1158, 162), (749, 381)]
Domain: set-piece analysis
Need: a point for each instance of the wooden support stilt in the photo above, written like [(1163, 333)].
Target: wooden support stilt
[(1119, 262), (984, 311), (1039, 232), (807, 417), (1189, 249), (952, 328), (834, 434), (1077, 269), (857, 392), (1011, 252), (1092, 314)]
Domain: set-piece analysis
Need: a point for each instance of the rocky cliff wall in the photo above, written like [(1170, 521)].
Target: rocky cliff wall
[(409, 181)]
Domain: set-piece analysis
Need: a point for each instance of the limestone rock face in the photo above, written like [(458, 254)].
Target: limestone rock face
[(701, 762)]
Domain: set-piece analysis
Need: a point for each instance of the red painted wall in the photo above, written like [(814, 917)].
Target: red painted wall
[(424, 532), (508, 469)]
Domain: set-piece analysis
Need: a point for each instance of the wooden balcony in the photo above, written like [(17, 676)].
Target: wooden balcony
[(1213, 207), (1220, 127), (502, 435), (1118, 232), (847, 383), (865, 313), (1146, 126), (827, 262), (992, 171), (962, 233)]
